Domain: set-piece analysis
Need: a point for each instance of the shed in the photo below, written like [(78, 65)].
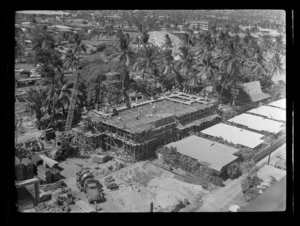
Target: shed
[(253, 91)]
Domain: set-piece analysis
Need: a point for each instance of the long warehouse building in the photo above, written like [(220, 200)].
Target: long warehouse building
[(258, 123)]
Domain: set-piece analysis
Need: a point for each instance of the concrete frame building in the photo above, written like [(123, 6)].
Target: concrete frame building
[(135, 132)]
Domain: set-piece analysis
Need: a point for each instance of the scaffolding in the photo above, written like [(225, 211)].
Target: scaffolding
[(134, 134)]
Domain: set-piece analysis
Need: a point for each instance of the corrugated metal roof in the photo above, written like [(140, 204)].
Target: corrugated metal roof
[(253, 89), (270, 112), (279, 103), (257, 123), (235, 135), (216, 155)]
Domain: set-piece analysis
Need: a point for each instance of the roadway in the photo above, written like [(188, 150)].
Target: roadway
[(221, 199)]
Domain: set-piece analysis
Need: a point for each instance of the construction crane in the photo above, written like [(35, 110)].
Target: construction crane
[(66, 135), (72, 105)]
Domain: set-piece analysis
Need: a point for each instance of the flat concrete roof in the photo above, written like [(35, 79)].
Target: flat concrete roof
[(164, 108), (279, 103), (215, 155), (270, 112), (258, 123), (235, 135)]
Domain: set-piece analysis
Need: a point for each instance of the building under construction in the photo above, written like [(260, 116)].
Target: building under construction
[(134, 133)]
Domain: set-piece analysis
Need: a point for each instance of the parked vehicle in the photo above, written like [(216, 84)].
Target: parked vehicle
[(86, 183)]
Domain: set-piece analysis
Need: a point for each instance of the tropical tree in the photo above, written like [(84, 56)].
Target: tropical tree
[(19, 42), (276, 65), (124, 55), (208, 68), (185, 63), (234, 170), (147, 60), (231, 61)]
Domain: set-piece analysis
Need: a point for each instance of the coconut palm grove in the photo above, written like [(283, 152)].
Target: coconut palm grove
[(106, 98)]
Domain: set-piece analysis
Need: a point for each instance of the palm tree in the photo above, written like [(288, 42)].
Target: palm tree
[(38, 101), (231, 61), (77, 48), (208, 68), (147, 60), (185, 63), (125, 57), (276, 65), (19, 41)]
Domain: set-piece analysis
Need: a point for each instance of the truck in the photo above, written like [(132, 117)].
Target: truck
[(86, 183)]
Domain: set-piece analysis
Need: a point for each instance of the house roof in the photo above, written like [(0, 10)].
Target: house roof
[(215, 155), (253, 89), (235, 135), (270, 112), (279, 103), (257, 123), (273, 199)]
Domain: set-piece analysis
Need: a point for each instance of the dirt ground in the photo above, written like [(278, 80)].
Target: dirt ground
[(139, 185)]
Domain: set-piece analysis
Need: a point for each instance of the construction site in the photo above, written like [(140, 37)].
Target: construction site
[(135, 132)]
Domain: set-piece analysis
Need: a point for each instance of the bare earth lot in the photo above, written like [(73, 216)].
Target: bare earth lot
[(139, 185)]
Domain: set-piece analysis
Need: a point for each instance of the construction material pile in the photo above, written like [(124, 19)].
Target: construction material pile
[(44, 174), (55, 174), (36, 160), (101, 158), (29, 168), (19, 169)]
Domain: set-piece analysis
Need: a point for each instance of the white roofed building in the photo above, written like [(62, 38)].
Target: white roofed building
[(235, 135), (258, 123), (270, 112), (214, 155), (279, 103)]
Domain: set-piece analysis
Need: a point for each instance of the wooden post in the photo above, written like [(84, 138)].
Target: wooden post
[(37, 192)]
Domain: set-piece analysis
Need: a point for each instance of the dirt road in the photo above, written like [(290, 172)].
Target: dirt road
[(216, 201), (222, 198)]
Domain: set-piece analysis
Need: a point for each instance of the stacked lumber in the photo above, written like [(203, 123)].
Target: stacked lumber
[(37, 160), (55, 174), (100, 158), (29, 168), (44, 174), (19, 169), (48, 161)]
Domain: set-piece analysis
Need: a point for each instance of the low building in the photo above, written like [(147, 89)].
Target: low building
[(270, 112), (203, 25), (279, 104), (258, 123), (235, 135), (214, 155), (251, 94)]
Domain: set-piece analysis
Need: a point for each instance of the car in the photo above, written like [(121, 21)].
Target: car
[(112, 186)]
